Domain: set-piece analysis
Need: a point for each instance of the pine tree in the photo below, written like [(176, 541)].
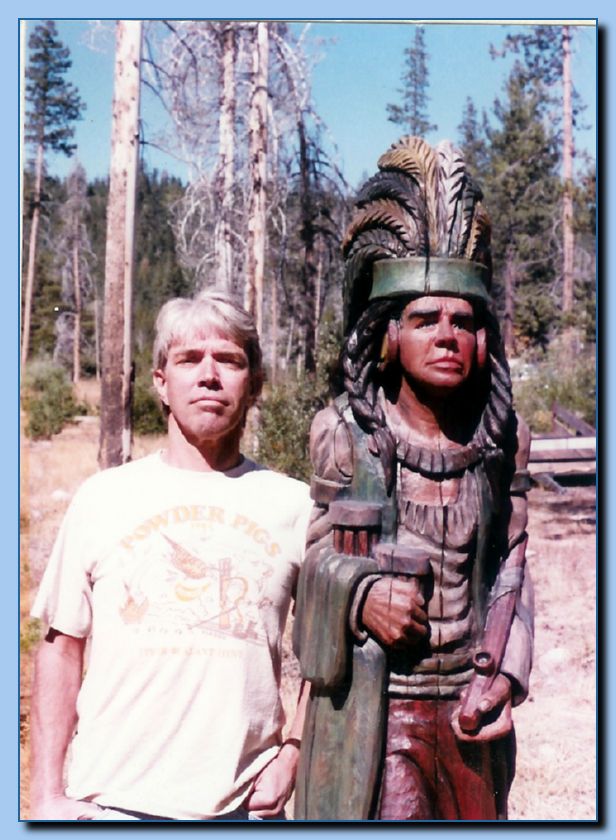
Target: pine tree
[(473, 140), (522, 198), (412, 114), (546, 53), (53, 106)]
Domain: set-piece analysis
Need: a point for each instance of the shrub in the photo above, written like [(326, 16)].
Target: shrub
[(288, 410), (557, 376), (286, 414), (147, 413), (47, 399), (29, 634)]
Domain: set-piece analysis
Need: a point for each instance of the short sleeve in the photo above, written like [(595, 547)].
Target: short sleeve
[(64, 597)]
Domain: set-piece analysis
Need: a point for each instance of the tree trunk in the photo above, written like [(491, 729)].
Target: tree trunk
[(568, 243), (97, 338), (223, 246), (77, 320), (309, 269), (509, 315), (115, 437), (318, 291), (257, 133), (274, 332), (36, 214)]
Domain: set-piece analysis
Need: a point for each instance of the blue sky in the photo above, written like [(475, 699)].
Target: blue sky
[(358, 74)]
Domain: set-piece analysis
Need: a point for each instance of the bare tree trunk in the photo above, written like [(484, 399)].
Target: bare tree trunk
[(508, 320), (77, 320), (290, 336), (274, 331), (317, 298), (36, 214), (258, 164), (97, 339), (115, 437), (309, 269), (568, 243), (223, 248)]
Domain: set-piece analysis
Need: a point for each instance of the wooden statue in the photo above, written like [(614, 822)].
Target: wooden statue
[(414, 609)]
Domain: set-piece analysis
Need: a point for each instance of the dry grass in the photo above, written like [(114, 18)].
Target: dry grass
[(556, 778), (556, 726)]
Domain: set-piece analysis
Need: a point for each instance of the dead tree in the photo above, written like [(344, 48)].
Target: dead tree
[(223, 237), (567, 209), (76, 257), (257, 134), (115, 436)]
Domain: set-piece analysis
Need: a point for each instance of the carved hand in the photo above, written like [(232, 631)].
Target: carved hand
[(394, 613), (495, 706)]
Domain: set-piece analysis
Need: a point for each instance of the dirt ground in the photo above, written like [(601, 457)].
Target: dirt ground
[(556, 764)]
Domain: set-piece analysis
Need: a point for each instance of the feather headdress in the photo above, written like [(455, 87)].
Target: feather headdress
[(424, 209)]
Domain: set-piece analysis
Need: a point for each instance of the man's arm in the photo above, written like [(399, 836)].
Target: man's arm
[(275, 783), (57, 679)]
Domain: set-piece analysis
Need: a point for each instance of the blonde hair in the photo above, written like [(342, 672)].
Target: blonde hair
[(181, 318)]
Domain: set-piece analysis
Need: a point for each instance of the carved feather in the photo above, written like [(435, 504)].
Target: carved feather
[(471, 195), (387, 214), (391, 184), (479, 237), (416, 158), (452, 178)]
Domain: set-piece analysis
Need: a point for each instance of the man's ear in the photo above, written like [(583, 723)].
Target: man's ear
[(482, 347), (160, 383)]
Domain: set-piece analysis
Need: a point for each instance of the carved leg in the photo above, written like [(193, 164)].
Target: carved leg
[(427, 773)]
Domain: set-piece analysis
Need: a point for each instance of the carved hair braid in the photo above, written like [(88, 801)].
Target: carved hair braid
[(360, 357)]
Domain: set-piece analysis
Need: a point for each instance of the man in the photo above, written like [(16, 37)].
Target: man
[(414, 619), (179, 568)]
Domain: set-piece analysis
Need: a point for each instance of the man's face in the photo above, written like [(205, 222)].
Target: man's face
[(438, 343), (206, 384)]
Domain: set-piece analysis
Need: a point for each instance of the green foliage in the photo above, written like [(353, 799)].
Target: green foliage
[(147, 413), (288, 409), (53, 103), (286, 414), (473, 143), (552, 379), (412, 113), (30, 634), (47, 399), (523, 200)]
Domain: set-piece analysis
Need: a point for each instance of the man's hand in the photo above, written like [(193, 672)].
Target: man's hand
[(495, 707), (60, 807), (394, 612), (274, 784)]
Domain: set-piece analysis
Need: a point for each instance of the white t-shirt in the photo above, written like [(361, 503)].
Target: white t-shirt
[(183, 580)]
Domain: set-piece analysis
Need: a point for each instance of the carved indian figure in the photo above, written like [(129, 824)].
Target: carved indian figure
[(414, 610)]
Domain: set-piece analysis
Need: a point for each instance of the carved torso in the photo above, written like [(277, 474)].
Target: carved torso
[(447, 533)]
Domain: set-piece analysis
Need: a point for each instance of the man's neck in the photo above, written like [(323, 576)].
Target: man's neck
[(218, 455)]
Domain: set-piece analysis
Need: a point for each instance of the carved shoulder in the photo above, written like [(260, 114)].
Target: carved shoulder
[(523, 448), (331, 450)]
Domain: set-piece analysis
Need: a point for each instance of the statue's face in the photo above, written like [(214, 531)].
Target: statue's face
[(438, 343)]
